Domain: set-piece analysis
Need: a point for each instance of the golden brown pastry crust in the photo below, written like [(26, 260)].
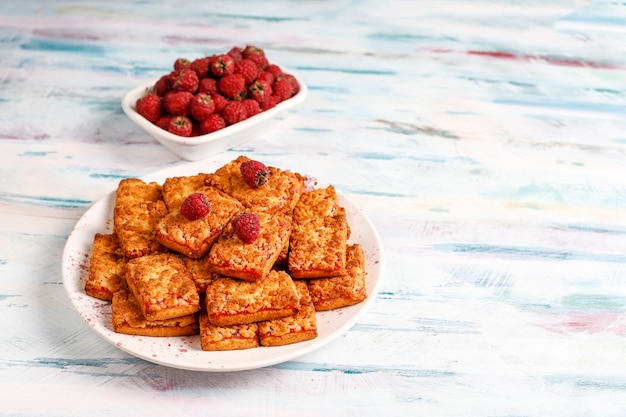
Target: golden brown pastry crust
[(127, 318), (194, 238), (318, 246), (177, 189), (200, 271), (233, 301), (106, 267), (345, 290), (138, 206), (280, 193), (162, 286), (232, 257), (293, 329), (317, 203), (240, 336)]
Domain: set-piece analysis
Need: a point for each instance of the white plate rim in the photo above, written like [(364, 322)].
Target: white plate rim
[(185, 352)]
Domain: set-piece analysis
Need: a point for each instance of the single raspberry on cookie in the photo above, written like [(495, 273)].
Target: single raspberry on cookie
[(247, 227), (254, 173), (195, 206)]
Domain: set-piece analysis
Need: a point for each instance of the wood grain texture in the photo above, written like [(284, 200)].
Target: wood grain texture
[(486, 141)]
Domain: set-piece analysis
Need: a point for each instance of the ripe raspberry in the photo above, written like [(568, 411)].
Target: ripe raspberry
[(274, 69), (195, 129), (247, 227), (266, 76), (260, 61), (163, 122), (248, 69), (232, 85), (254, 173), (208, 86), (282, 89), (185, 80), (177, 103), (201, 106), (212, 123), (269, 102), (222, 65), (295, 87), (260, 90), (234, 112), (236, 53), (252, 107), (181, 63), (195, 206), (149, 106), (181, 126), (252, 50), (162, 85), (257, 55), (220, 102), (200, 66)]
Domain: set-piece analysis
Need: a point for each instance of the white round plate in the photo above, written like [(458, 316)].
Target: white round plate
[(185, 352)]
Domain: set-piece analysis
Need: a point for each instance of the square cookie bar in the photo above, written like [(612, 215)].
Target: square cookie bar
[(127, 318), (238, 336), (194, 238), (138, 206), (162, 286), (317, 246), (344, 290), (293, 329), (232, 257), (280, 193), (176, 189), (106, 267), (317, 203), (233, 301)]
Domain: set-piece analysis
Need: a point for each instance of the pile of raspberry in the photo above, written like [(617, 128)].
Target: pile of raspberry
[(212, 92)]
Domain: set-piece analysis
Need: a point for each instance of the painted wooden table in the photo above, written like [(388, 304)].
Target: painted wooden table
[(485, 140)]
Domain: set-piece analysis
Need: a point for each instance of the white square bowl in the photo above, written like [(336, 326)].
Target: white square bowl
[(201, 147)]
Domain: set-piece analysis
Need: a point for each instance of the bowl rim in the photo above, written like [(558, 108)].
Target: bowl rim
[(130, 98)]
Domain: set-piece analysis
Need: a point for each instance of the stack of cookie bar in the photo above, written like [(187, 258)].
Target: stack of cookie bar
[(166, 275)]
